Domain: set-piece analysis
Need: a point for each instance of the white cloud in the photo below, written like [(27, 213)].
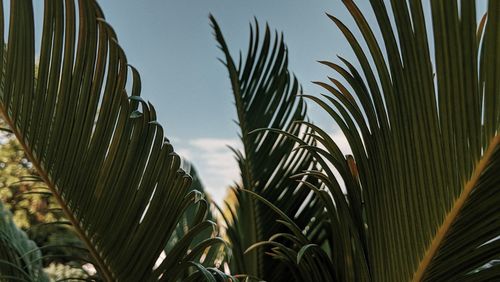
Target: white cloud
[(214, 144), (341, 141), (214, 162), (184, 152)]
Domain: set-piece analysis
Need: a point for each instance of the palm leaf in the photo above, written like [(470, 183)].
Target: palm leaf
[(266, 96), (307, 261), (338, 251), (424, 146), (211, 252), (421, 190), (101, 153), (193, 214)]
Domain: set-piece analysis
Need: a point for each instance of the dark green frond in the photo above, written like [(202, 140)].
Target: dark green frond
[(419, 197), (468, 241), (266, 96), (194, 238), (96, 145), (418, 120)]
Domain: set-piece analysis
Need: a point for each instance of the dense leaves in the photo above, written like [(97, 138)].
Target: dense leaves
[(101, 153), (20, 258), (266, 96), (34, 208), (420, 112)]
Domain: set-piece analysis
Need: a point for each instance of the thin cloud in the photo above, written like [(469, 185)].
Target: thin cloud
[(214, 162), (214, 144), (341, 141)]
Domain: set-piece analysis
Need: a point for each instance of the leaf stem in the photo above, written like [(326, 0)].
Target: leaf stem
[(455, 211), (104, 270)]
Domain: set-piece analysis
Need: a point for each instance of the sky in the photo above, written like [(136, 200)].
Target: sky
[(172, 45)]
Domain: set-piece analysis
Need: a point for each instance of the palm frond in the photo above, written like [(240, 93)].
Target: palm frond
[(338, 251), (306, 261), (423, 144), (195, 230), (101, 153), (421, 190), (266, 96)]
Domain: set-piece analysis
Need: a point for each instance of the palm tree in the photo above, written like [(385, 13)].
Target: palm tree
[(420, 199), (101, 152)]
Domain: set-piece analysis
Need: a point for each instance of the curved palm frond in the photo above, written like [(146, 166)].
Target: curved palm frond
[(429, 133), (338, 251), (306, 261), (423, 144), (266, 96), (20, 258), (194, 233), (421, 189), (193, 214), (102, 154)]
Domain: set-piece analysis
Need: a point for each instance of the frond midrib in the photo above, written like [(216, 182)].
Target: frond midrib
[(102, 266), (247, 175), (452, 215)]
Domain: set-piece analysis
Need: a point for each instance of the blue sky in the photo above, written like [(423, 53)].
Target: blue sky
[(172, 45)]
